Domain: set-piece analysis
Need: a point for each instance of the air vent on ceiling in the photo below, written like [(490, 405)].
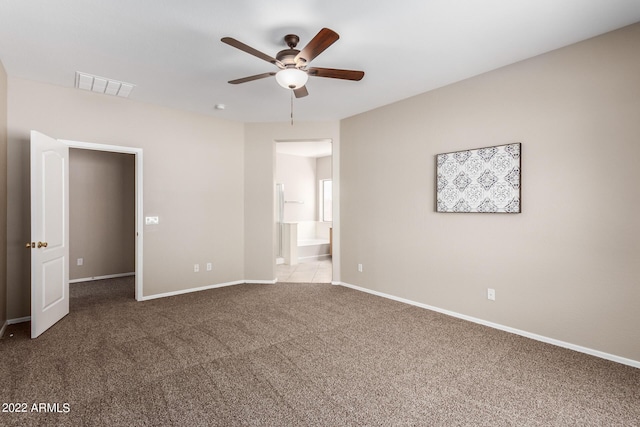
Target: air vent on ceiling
[(103, 85)]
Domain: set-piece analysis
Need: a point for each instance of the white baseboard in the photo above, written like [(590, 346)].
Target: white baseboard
[(4, 327), (163, 295), (19, 320), (553, 341), (108, 276), (261, 282), (204, 288)]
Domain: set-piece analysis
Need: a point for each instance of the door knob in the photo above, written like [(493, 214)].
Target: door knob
[(30, 245), (42, 244)]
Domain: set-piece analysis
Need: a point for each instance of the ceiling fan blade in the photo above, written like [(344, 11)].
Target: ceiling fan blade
[(301, 92), (334, 73), (251, 78), (251, 51), (317, 45)]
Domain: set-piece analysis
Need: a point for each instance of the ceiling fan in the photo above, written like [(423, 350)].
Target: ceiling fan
[(293, 63)]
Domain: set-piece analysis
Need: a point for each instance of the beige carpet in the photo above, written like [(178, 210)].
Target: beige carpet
[(294, 355)]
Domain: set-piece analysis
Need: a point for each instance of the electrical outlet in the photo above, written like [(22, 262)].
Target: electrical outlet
[(80, 261), (491, 294), (196, 268), (360, 268), (209, 266)]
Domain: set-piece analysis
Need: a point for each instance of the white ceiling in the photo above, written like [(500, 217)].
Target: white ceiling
[(171, 49)]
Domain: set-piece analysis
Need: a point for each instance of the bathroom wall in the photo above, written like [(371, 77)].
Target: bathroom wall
[(323, 167), (323, 171), (298, 175)]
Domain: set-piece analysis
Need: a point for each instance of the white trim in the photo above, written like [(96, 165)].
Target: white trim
[(137, 152), (261, 282), (18, 320), (190, 290), (335, 176), (108, 276), (553, 341), (4, 327)]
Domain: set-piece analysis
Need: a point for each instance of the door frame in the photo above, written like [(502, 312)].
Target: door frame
[(335, 177), (137, 152)]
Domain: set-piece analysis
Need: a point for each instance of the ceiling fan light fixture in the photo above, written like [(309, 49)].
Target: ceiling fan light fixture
[(291, 78)]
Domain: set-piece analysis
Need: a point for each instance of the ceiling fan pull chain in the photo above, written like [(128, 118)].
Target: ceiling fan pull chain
[(291, 107)]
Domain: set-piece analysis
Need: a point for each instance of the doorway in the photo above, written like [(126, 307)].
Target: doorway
[(304, 211), (49, 185), (101, 210), (137, 209)]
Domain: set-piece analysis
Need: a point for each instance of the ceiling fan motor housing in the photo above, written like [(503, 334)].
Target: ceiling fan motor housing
[(287, 57)]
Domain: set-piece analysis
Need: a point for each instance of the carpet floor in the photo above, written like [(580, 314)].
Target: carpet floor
[(295, 354)]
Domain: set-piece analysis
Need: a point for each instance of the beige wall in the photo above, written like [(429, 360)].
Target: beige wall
[(259, 196), (101, 213), (193, 180), (323, 171), (3, 195), (568, 266), (323, 167)]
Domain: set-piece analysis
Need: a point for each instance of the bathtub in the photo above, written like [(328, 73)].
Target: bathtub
[(313, 248), (306, 239)]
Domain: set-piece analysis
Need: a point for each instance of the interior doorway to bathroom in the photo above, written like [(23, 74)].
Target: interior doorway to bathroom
[(304, 209)]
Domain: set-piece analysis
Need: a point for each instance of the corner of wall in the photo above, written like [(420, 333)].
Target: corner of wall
[(583, 98), (3, 197)]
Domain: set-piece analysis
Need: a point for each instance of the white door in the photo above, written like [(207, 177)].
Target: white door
[(49, 232)]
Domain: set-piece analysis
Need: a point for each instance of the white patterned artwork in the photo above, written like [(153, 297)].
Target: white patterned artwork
[(484, 180)]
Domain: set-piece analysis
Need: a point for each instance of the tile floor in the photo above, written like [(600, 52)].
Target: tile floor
[(306, 271)]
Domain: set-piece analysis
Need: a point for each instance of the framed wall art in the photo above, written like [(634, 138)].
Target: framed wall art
[(485, 180)]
